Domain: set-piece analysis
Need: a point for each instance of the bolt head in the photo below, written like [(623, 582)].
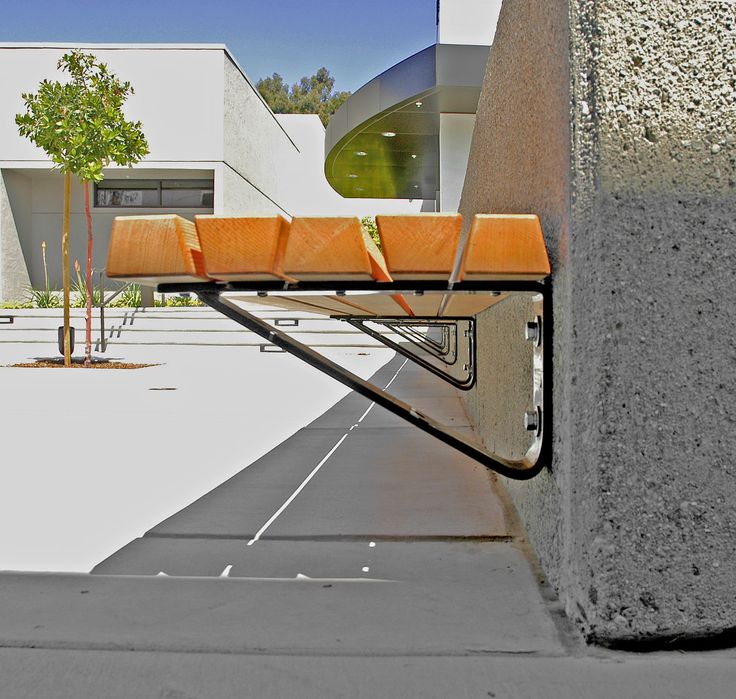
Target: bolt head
[(531, 420), (531, 332)]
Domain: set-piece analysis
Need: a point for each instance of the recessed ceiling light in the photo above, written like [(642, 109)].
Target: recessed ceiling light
[(360, 153), (416, 186), (414, 155), (359, 189), (419, 104), (352, 176), (388, 134)]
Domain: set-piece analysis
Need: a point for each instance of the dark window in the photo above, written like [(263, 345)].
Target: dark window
[(155, 194)]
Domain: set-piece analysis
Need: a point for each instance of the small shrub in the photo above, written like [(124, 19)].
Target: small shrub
[(45, 298), (369, 225), (179, 301), (130, 297), (79, 289)]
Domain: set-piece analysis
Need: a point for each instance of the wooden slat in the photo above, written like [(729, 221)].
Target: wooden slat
[(243, 248), (327, 248), (421, 246), (465, 305), (506, 247), (155, 249), (321, 305)]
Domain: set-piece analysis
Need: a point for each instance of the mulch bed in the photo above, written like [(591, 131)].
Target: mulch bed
[(78, 363)]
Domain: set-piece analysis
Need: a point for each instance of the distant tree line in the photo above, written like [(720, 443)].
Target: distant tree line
[(311, 95)]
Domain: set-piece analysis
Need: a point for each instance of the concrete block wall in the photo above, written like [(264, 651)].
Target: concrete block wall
[(615, 121)]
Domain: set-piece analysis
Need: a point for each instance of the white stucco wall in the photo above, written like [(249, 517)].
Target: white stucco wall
[(38, 210), (456, 134), (202, 117), (15, 199), (178, 97), (468, 21)]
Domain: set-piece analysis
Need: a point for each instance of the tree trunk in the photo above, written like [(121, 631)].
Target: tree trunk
[(88, 328), (65, 268)]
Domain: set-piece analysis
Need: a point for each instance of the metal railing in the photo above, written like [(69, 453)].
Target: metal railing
[(104, 302)]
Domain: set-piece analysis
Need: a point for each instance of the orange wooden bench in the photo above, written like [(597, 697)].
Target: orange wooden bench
[(170, 249), (435, 282)]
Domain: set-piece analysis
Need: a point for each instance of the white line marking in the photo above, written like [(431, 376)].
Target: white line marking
[(161, 573), (396, 374), (366, 569), (372, 544), (371, 406), (278, 512), (226, 572)]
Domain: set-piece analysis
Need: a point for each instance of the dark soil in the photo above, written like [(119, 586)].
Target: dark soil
[(78, 363)]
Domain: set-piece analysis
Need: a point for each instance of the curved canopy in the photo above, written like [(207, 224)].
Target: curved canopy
[(384, 140)]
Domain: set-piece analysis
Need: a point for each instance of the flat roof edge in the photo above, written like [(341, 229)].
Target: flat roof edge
[(114, 45)]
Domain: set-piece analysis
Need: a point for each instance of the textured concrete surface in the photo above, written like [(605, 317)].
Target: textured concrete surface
[(615, 122), (59, 674), (280, 616), (386, 479)]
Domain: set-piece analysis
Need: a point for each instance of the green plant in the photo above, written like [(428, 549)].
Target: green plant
[(130, 297), (80, 125), (16, 305), (179, 301), (46, 297), (369, 225), (80, 290)]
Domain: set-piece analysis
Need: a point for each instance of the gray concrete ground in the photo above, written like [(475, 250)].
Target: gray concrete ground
[(358, 558)]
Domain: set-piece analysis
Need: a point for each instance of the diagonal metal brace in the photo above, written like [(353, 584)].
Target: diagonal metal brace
[(522, 469)]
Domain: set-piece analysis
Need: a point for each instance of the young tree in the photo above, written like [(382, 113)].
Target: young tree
[(81, 127), (313, 95)]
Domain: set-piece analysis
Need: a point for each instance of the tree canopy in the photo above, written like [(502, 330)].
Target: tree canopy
[(311, 95), (80, 124)]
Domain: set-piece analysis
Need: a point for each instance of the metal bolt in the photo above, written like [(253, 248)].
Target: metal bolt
[(531, 332), (532, 420)]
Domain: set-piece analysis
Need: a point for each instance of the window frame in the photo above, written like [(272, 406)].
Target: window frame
[(195, 183)]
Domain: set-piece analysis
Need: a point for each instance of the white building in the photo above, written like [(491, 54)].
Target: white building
[(407, 132), (215, 147)]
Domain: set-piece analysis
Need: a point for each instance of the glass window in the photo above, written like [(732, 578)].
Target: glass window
[(187, 193), (155, 194)]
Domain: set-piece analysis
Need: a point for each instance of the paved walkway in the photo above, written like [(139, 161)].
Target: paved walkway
[(359, 558)]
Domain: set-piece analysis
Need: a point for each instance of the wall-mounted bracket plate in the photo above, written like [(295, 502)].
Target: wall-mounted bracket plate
[(443, 343)]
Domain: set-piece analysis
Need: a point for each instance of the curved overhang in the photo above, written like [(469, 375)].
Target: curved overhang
[(383, 142)]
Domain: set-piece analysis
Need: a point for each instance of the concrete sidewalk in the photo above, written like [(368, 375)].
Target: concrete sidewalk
[(360, 558)]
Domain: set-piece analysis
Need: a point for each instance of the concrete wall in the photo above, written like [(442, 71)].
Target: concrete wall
[(615, 122), (14, 279)]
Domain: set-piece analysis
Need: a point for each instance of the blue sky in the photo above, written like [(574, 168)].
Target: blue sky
[(354, 39)]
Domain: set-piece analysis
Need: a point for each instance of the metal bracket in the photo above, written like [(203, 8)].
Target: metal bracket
[(538, 421), (457, 340)]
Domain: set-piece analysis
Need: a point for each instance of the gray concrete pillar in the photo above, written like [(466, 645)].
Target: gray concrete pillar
[(615, 121)]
